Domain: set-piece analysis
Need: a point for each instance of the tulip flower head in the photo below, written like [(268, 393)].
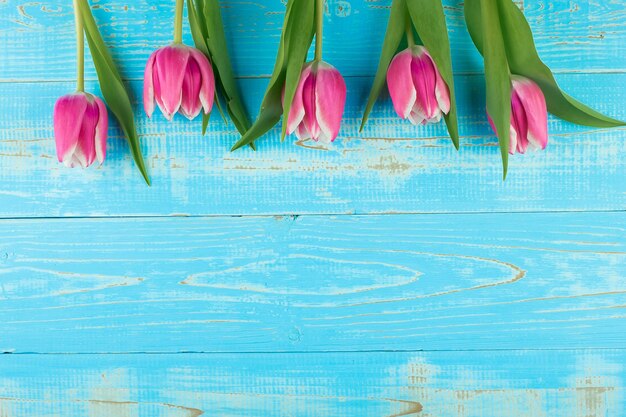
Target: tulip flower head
[(80, 129), (417, 90), (318, 104), (178, 78), (529, 116), (80, 119)]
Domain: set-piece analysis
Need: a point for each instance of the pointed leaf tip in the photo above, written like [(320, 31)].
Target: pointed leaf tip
[(113, 89), (483, 23)]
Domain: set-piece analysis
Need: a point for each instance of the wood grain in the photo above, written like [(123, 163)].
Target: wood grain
[(125, 307), (470, 384), (511, 281), (392, 167)]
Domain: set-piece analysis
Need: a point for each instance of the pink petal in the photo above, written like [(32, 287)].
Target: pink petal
[(85, 151), (171, 65), (148, 85), (302, 133), (68, 116), (442, 93), (190, 106), (296, 112), (424, 76), (513, 136), (308, 101), (400, 83), (207, 91), (519, 125), (514, 141), (417, 116), (157, 96), (101, 130), (330, 100), (492, 124), (534, 103)]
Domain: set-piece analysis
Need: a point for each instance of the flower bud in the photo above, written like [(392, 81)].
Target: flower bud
[(178, 78), (318, 104), (529, 116), (417, 90), (80, 129)]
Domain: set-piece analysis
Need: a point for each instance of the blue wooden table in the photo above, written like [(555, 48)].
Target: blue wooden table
[(385, 275)]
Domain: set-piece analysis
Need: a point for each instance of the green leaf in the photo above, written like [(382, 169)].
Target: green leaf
[(218, 104), (205, 122), (271, 106), (216, 42), (207, 31), (483, 23), (266, 120), (524, 60), (198, 29), (113, 90), (300, 32), (199, 11), (393, 38), (430, 22)]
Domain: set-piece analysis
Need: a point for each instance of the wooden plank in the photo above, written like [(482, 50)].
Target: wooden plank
[(376, 172), (587, 383), (506, 281), (585, 37)]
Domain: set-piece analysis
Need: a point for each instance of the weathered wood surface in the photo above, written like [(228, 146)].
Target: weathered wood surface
[(572, 36), (569, 383), (362, 173), (319, 314), (380, 171), (506, 281)]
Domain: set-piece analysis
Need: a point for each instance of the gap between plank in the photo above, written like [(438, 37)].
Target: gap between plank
[(313, 352), (296, 215)]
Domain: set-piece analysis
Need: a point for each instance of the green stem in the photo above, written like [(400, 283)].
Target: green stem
[(319, 25), (178, 22), (409, 32), (80, 49)]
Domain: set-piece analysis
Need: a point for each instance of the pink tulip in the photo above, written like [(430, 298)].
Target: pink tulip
[(178, 78), (529, 116), (318, 104), (417, 90), (80, 129)]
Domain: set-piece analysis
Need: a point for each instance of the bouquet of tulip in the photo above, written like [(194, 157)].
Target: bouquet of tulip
[(310, 96), (81, 119)]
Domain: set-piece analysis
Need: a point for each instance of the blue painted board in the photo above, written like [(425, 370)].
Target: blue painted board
[(313, 283), (380, 171), (392, 167), (561, 383), (572, 37), (521, 314)]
